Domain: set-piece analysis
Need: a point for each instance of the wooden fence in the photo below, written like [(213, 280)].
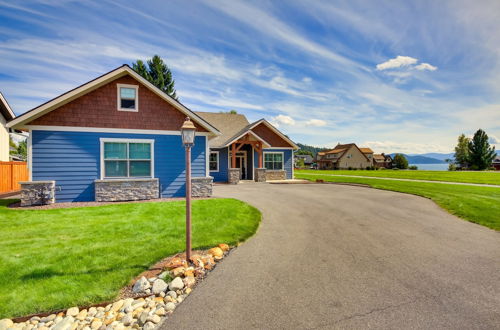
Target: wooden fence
[(10, 175)]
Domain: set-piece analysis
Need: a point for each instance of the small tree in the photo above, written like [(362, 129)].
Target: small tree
[(462, 151), (481, 154), (400, 161), (157, 73)]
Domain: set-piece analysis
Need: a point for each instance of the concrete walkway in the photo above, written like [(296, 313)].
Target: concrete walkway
[(410, 180), (343, 257)]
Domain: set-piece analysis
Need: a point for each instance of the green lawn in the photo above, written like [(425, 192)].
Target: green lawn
[(51, 259), (490, 177), (477, 204)]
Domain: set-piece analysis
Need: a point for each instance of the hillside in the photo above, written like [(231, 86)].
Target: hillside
[(418, 159)]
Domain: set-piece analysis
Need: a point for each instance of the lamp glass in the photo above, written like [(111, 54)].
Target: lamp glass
[(188, 132)]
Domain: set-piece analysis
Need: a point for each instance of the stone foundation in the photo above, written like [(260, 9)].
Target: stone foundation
[(260, 175), (37, 193), (275, 175), (234, 175), (110, 190), (201, 187)]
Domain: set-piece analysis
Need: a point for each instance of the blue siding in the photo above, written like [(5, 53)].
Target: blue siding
[(221, 176), (72, 159), (288, 160)]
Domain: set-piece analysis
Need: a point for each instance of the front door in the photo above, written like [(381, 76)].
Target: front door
[(241, 163)]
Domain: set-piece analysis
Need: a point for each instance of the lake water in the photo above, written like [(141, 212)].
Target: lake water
[(432, 167)]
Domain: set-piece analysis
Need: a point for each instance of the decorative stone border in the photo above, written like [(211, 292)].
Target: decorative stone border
[(260, 175), (159, 298), (275, 175), (111, 190), (234, 175)]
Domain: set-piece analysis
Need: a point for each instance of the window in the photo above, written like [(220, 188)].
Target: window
[(214, 161), (127, 158), (273, 160), (128, 97)]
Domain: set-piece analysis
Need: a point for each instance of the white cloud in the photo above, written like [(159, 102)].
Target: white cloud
[(426, 66), (283, 119), (402, 147), (399, 61), (493, 139), (316, 122)]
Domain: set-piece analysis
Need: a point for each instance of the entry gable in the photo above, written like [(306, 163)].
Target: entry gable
[(271, 135)]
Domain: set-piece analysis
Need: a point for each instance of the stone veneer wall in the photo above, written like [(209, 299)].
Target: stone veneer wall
[(202, 186), (110, 190), (275, 175), (37, 192), (260, 175), (234, 175)]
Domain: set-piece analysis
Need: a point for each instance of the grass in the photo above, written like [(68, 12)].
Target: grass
[(57, 258), (490, 177), (480, 205)]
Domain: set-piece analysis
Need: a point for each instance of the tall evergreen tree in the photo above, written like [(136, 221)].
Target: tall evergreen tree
[(462, 151), (481, 154), (157, 73)]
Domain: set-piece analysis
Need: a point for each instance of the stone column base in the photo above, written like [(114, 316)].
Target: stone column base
[(37, 193), (260, 175), (201, 186), (234, 175)]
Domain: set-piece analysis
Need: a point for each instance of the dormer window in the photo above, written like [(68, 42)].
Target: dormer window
[(128, 97)]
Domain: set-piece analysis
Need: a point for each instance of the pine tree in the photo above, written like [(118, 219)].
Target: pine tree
[(157, 73), (480, 153), (462, 151)]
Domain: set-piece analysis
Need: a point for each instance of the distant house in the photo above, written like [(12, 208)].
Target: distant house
[(308, 159), (496, 163), (345, 156), (6, 114), (382, 161)]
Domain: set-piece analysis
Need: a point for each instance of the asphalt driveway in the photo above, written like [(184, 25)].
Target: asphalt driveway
[(333, 256)]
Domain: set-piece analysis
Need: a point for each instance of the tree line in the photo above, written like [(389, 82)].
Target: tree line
[(473, 154)]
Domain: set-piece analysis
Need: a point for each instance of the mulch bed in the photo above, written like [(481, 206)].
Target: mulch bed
[(92, 204)]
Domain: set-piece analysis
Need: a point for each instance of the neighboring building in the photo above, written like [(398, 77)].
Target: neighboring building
[(308, 160), (382, 161), (117, 137), (255, 145), (345, 156), (6, 114), (496, 163)]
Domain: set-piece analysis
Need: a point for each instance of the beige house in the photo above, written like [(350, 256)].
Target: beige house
[(6, 114), (345, 156)]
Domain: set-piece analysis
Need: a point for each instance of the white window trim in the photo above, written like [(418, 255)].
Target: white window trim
[(118, 97), (150, 141), (213, 152), (274, 152)]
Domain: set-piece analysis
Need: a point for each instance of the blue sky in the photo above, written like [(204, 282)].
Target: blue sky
[(405, 76)]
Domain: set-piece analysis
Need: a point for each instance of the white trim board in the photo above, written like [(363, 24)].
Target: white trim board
[(106, 130), (119, 97)]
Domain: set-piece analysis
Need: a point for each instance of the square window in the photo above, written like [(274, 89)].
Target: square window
[(127, 97), (127, 159)]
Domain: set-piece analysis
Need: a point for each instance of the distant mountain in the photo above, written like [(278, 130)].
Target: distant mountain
[(419, 159), (436, 155)]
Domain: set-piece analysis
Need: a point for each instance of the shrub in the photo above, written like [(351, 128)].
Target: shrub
[(413, 167), (452, 167)]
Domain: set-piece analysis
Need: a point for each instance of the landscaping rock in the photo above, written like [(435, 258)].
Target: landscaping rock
[(82, 315), (154, 318), (175, 262), (170, 306), (141, 285), (73, 311), (148, 326), (176, 284), (179, 271), (152, 279), (164, 275), (159, 286), (5, 324), (127, 319), (117, 305), (189, 281), (216, 252), (172, 294), (224, 247)]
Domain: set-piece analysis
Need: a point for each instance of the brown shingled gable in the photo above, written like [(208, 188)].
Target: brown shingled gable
[(98, 108), (269, 136)]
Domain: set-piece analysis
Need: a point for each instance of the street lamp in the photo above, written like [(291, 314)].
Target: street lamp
[(188, 133)]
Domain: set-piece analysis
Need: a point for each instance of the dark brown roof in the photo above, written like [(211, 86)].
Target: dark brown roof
[(5, 109)]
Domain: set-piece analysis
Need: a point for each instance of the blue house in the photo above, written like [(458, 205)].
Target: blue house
[(117, 137)]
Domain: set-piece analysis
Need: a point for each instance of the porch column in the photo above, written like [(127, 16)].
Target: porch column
[(260, 155), (233, 156)]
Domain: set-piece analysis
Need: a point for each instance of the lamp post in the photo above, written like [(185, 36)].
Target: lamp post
[(188, 133)]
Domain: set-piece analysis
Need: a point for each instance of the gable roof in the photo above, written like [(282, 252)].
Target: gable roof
[(98, 82), (366, 150), (5, 109), (342, 149), (235, 126)]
